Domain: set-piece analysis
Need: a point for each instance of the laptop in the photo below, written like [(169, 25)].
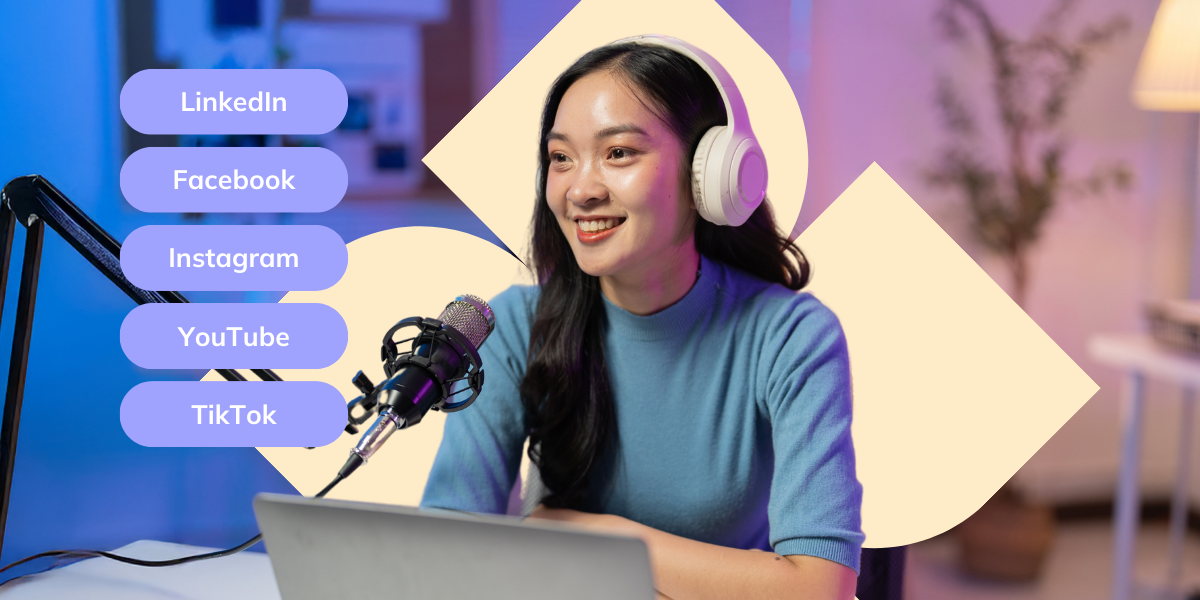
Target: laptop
[(324, 549)]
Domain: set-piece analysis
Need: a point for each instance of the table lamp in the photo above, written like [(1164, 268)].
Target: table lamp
[(1168, 79)]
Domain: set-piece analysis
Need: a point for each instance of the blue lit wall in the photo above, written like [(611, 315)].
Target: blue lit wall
[(79, 481)]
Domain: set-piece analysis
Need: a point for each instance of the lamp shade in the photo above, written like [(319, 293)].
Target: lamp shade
[(1168, 76)]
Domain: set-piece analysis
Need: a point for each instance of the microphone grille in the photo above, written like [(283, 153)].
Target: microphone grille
[(470, 316)]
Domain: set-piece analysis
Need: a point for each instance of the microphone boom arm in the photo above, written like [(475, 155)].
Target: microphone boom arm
[(34, 202)]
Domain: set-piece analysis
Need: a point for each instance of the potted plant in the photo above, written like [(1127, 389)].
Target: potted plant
[(1008, 193)]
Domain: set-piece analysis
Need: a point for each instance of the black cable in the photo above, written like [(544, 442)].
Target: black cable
[(156, 563)]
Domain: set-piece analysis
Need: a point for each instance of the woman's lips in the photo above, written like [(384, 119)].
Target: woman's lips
[(592, 237)]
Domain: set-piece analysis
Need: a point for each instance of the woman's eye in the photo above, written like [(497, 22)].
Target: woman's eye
[(619, 153), (558, 157)]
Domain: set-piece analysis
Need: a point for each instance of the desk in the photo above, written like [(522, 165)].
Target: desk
[(1140, 357), (243, 576)]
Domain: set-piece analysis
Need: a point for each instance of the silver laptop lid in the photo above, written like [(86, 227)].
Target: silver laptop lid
[(323, 549)]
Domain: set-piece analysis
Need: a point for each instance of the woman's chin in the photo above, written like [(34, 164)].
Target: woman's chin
[(595, 271), (596, 266)]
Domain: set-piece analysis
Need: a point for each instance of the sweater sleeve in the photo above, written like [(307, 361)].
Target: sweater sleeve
[(815, 499), (480, 454)]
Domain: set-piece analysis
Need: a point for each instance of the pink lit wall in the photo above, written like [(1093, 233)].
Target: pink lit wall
[(1100, 259)]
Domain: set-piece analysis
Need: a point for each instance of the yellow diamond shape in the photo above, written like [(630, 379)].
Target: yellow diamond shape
[(955, 387)]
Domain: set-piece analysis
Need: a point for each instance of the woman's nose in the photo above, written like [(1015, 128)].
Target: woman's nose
[(587, 187)]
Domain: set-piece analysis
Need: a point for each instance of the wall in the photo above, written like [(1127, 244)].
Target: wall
[(79, 482), (1100, 259)]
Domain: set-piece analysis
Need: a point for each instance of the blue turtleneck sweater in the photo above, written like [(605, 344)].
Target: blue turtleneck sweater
[(733, 414)]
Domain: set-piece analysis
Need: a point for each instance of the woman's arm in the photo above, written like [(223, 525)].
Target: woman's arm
[(685, 569)]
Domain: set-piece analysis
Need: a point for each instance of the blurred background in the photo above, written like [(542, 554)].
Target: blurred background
[(1011, 124)]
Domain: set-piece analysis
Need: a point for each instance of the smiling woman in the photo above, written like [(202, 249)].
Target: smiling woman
[(670, 381)]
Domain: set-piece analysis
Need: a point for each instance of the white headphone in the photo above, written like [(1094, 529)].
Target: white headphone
[(729, 171)]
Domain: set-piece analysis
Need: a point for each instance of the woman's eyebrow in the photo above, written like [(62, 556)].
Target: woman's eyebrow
[(603, 133), (619, 129)]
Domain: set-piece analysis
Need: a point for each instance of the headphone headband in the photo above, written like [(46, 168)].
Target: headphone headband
[(734, 107), (729, 171)]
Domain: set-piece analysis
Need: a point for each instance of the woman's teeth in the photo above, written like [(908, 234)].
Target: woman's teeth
[(596, 225)]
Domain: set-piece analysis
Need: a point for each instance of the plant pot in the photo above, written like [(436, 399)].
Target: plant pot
[(1007, 539)]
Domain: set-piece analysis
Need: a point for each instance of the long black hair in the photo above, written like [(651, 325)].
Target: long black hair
[(566, 389)]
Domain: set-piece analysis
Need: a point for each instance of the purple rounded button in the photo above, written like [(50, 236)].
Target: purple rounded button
[(219, 101), (234, 180), (234, 257), (182, 414), (233, 336)]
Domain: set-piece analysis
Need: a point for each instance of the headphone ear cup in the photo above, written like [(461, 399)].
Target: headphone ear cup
[(700, 175)]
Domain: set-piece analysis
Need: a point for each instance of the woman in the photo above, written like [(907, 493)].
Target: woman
[(671, 383)]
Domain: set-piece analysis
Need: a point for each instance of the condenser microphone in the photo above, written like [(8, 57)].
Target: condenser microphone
[(442, 354)]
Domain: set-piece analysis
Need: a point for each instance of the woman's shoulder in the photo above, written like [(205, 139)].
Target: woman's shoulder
[(774, 304), (799, 340)]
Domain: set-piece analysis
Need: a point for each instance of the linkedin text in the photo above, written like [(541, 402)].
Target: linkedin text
[(222, 103)]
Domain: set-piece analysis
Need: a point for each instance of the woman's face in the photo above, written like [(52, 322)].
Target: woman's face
[(614, 181)]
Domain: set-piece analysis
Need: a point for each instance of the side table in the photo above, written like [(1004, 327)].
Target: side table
[(1140, 357)]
